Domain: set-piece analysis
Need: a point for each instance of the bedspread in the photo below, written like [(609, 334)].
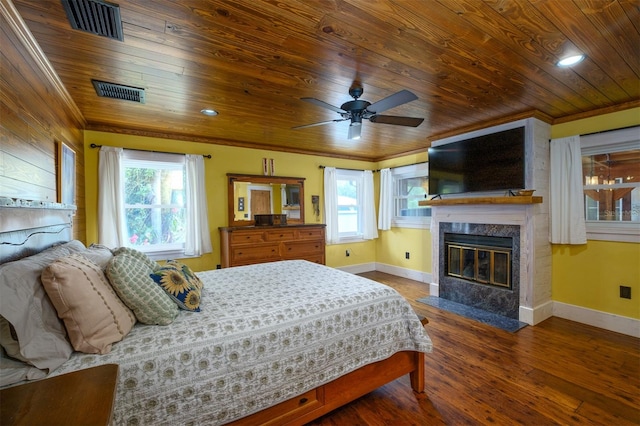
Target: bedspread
[(266, 333)]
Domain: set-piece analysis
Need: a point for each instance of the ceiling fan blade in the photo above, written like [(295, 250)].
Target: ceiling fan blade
[(402, 97), (320, 123), (398, 121), (323, 104)]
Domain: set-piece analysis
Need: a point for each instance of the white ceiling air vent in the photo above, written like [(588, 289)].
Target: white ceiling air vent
[(118, 91), (95, 16)]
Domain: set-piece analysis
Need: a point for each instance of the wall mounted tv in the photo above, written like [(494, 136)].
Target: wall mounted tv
[(485, 163)]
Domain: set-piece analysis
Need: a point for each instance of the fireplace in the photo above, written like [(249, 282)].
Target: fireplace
[(480, 267), (482, 259), (527, 296)]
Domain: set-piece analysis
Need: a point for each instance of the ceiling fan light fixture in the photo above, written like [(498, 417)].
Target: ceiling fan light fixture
[(570, 60), (355, 130)]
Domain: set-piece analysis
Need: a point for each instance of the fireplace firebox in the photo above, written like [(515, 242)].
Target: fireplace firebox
[(479, 258)]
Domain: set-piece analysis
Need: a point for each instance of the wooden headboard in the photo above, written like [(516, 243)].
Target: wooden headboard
[(28, 227)]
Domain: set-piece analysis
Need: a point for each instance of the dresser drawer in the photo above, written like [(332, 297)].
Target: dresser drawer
[(310, 234), (280, 235), (246, 237), (298, 249), (262, 252)]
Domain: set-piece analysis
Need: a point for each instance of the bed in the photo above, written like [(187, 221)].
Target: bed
[(274, 343)]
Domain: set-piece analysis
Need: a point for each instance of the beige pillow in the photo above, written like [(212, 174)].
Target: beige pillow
[(93, 314)]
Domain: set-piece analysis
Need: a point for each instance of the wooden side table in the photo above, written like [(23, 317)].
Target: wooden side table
[(84, 397)]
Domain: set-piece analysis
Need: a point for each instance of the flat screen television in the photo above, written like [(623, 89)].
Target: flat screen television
[(485, 163)]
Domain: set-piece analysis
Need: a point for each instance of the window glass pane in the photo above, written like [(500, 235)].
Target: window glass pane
[(409, 192), (154, 205), (348, 217), (612, 186)]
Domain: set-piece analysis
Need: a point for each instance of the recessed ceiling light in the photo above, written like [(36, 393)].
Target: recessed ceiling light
[(210, 112), (570, 60)]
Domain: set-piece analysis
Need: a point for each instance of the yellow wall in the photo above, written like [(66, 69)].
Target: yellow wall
[(392, 245), (590, 275), (227, 159)]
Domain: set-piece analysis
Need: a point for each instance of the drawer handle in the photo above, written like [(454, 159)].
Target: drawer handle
[(303, 400)]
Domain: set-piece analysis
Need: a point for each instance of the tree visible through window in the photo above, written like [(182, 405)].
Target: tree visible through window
[(155, 204), (349, 185)]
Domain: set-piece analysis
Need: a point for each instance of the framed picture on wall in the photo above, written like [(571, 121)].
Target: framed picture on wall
[(66, 174)]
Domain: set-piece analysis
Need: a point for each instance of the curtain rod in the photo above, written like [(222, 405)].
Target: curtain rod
[(405, 165), (93, 145), (343, 168)]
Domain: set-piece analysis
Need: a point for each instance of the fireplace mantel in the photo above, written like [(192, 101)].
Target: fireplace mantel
[(482, 200)]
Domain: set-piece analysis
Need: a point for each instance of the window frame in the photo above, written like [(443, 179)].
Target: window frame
[(601, 143), (155, 160), (358, 176), (407, 172)]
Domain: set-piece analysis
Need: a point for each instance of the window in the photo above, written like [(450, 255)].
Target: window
[(411, 185), (154, 202), (611, 175), (350, 192)]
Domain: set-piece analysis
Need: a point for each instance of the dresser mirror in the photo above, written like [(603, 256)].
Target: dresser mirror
[(255, 194)]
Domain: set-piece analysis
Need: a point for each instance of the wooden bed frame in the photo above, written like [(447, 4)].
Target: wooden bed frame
[(28, 230)]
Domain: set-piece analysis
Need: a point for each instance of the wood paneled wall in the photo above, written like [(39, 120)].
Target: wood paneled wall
[(36, 114)]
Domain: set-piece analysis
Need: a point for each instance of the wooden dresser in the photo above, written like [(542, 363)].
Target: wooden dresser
[(244, 245)]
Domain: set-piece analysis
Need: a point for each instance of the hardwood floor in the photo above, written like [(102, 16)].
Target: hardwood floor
[(558, 372)]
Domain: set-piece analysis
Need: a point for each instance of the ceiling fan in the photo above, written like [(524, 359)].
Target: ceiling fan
[(357, 110)]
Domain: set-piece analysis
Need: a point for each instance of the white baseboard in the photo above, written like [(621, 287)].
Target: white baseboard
[(359, 268), (605, 320), (423, 277), (533, 316)]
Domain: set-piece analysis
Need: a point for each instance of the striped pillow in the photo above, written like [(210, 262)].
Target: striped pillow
[(92, 313)]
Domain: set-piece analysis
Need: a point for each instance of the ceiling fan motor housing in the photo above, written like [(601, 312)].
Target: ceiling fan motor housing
[(355, 106)]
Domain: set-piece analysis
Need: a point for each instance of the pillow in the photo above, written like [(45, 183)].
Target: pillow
[(181, 284), (129, 277), (152, 264), (25, 305), (93, 314), (12, 371), (9, 340), (98, 254)]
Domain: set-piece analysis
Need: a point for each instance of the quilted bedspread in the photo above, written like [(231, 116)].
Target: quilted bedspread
[(266, 333)]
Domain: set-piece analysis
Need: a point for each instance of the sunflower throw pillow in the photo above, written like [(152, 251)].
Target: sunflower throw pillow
[(180, 283)]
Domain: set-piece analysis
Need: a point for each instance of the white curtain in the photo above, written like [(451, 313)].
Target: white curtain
[(369, 229), (331, 204), (385, 209), (566, 199), (111, 223), (197, 238)]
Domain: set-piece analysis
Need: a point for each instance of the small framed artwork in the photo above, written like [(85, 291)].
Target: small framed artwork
[(241, 204), (66, 174)]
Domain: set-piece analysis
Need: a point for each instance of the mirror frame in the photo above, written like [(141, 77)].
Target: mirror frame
[(231, 197)]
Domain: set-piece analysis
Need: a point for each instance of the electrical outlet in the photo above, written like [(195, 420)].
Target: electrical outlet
[(347, 253), (406, 255), (625, 292), (218, 266)]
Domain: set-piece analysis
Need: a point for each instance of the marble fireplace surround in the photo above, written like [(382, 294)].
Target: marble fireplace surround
[(498, 300), (532, 273)]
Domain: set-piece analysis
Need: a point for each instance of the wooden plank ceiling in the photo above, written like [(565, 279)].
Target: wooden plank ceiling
[(471, 63)]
